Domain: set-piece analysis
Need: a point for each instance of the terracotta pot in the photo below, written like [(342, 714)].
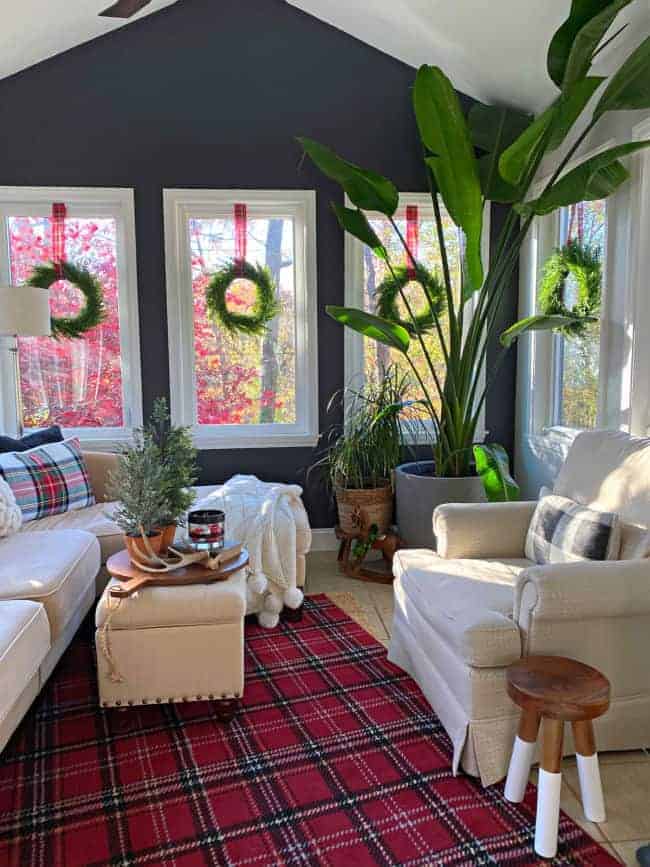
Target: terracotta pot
[(360, 508), (135, 545), (168, 535)]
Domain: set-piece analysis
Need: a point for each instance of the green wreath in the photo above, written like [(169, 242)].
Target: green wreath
[(266, 305), (583, 262), (92, 313), (389, 290)]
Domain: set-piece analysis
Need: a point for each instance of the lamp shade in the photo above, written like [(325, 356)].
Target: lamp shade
[(24, 311)]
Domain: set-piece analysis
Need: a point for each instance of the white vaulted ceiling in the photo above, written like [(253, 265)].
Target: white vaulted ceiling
[(493, 50), (32, 30)]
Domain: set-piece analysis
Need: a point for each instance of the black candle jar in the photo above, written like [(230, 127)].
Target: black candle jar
[(206, 528)]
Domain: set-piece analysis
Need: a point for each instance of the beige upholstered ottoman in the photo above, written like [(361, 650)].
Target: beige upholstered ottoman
[(167, 644)]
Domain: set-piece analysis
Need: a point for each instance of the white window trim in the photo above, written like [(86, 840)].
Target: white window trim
[(353, 342), (117, 203), (639, 259), (178, 205), (537, 366)]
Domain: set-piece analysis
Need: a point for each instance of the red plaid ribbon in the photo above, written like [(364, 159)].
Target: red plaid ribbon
[(412, 237), (241, 232), (58, 236)]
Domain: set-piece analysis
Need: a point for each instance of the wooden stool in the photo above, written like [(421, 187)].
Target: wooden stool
[(556, 690)]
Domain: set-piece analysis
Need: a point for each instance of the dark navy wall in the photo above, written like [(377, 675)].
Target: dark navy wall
[(210, 94)]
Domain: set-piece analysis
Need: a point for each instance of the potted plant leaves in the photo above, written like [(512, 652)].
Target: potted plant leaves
[(179, 470), (492, 153), (360, 459), (138, 484), (153, 482)]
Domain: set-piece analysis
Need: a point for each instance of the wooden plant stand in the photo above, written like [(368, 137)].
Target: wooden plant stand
[(381, 571)]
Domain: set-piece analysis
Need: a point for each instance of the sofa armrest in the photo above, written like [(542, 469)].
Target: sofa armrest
[(583, 590), (99, 465), (596, 612), (482, 529), (485, 639)]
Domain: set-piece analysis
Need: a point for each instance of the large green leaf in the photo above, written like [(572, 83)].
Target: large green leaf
[(587, 40), (356, 223), (493, 467), (596, 178), (495, 189), (562, 43), (493, 128), (444, 132), (629, 88), (371, 326), (367, 190), (569, 107), (517, 159), (538, 322)]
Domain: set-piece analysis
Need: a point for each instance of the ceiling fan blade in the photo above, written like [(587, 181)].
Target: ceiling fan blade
[(124, 8)]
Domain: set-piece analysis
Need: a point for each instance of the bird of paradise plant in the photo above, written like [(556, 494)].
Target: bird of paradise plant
[(492, 155)]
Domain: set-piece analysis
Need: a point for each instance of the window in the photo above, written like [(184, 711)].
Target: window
[(91, 385), (365, 358), (234, 389), (576, 361)]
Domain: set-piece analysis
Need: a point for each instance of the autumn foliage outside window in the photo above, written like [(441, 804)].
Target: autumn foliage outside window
[(243, 379), (74, 383)]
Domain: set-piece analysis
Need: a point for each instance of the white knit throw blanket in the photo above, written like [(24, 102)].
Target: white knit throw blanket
[(260, 515)]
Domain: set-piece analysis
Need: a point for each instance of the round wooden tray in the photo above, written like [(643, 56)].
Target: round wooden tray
[(134, 579)]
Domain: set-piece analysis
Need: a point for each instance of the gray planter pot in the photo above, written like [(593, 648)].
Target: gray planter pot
[(418, 492)]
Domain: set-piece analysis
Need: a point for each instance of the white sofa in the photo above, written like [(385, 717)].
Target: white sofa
[(49, 580), (463, 614), (50, 576)]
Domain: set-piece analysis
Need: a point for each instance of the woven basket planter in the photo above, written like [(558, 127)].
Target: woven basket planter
[(360, 508)]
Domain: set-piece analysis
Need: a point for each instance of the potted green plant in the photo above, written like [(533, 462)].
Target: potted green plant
[(138, 484), (492, 155), (360, 459), (179, 469)]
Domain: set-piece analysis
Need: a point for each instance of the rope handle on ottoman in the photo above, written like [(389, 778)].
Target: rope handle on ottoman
[(113, 604)]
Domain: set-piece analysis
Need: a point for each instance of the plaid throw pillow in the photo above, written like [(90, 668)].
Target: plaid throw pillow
[(562, 531), (48, 480)]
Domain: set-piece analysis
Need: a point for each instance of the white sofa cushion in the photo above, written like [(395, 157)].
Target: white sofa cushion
[(609, 470), (93, 520), (24, 644), (468, 602), (54, 568), (11, 518)]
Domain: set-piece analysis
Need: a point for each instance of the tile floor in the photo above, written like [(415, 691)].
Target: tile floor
[(626, 776)]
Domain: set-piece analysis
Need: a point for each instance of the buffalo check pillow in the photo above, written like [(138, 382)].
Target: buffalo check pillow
[(48, 480), (562, 531)]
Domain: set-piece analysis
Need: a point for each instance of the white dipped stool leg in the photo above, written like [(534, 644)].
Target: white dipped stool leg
[(548, 789), (548, 813), (591, 787), (519, 770), (522, 757)]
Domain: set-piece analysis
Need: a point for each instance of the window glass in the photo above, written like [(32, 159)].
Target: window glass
[(239, 378), (74, 383), (579, 358), (377, 356)]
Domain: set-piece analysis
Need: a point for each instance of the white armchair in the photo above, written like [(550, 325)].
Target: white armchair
[(463, 614)]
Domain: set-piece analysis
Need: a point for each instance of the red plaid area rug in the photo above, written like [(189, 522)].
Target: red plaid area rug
[(335, 759)]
